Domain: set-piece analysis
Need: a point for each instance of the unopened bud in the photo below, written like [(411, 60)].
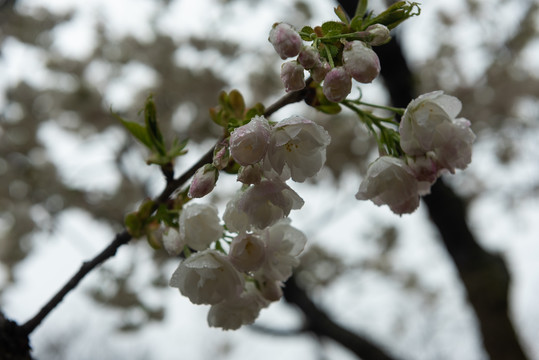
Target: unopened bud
[(292, 76), (221, 155), (320, 71), (378, 34), (361, 62), (285, 40), (337, 84), (309, 57), (203, 181)]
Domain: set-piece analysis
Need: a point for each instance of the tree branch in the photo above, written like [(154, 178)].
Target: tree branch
[(320, 324)]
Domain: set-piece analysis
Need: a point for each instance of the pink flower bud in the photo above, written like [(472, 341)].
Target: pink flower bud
[(221, 155), (249, 143), (361, 62), (203, 181), (319, 71), (309, 57), (285, 40), (337, 84), (292, 76), (378, 34)]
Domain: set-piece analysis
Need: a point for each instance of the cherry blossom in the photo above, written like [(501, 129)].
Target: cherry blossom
[(207, 277), (249, 143), (390, 182), (297, 148), (247, 252), (199, 226)]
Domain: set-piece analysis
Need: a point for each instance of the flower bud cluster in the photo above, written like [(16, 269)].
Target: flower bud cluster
[(434, 142), (356, 60), (240, 268)]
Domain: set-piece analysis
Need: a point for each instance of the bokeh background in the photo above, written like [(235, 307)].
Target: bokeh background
[(69, 173)]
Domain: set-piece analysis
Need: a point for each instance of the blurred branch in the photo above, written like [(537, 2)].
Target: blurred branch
[(320, 324), (484, 275)]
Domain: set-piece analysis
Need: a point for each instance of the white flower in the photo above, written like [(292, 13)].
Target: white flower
[(285, 40), (429, 124), (283, 245), (232, 314), (361, 62), (247, 252), (261, 205), (250, 174), (172, 242), (249, 143), (235, 219), (297, 148), (199, 226), (337, 84), (207, 277), (270, 289), (391, 182)]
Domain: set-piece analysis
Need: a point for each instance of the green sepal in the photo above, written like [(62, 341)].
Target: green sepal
[(257, 110), (306, 33), (166, 216), (153, 240), (321, 103), (134, 225), (330, 109)]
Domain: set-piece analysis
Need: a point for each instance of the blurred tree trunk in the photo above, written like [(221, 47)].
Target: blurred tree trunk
[(483, 274)]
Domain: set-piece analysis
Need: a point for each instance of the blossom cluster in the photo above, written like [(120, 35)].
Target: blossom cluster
[(356, 60), (434, 142), (238, 268)]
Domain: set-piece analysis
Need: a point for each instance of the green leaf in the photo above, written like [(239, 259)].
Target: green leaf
[(177, 148), (332, 28), (257, 109), (306, 33), (137, 130), (361, 9), (152, 128), (237, 103), (396, 14), (341, 14)]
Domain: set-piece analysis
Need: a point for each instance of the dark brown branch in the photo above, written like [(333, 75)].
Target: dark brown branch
[(86, 267), (320, 324)]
